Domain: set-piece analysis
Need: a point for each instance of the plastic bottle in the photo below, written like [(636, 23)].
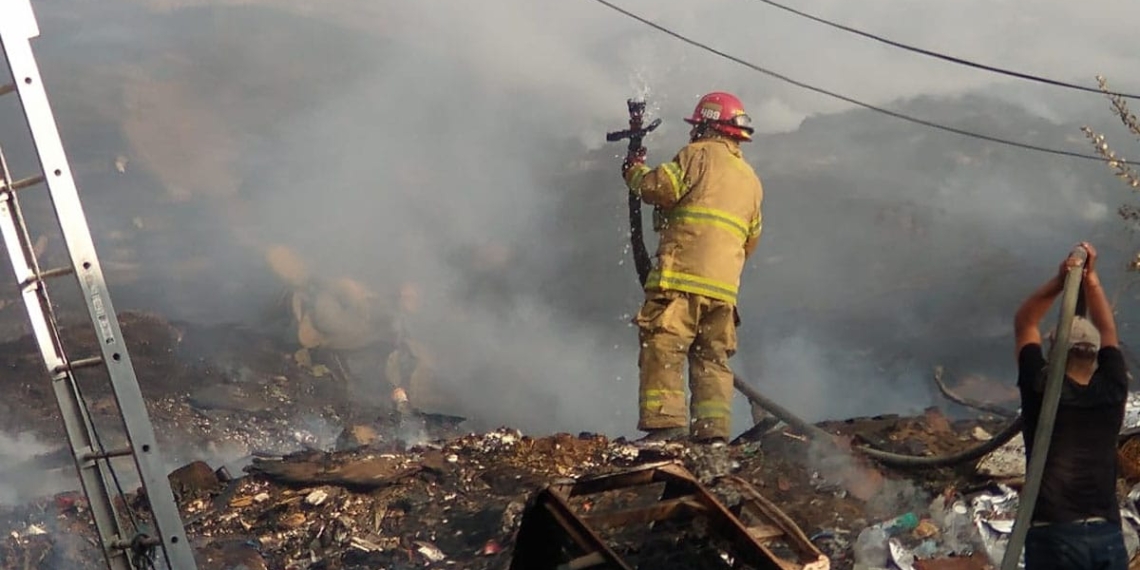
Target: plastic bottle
[(900, 524), (958, 530)]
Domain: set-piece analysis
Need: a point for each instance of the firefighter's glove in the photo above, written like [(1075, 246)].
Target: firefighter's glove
[(632, 159)]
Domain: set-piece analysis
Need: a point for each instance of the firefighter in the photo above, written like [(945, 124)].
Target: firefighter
[(359, 333), (410, 367), (707, 213)]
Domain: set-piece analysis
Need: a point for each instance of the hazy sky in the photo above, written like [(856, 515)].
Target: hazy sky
[(578, 55), (459, 145)]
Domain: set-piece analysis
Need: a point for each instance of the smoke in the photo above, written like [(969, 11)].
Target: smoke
[(458, 147), (804, 375), (21, 477), (885, 498)]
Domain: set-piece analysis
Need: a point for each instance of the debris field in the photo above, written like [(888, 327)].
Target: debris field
[(415, 491)]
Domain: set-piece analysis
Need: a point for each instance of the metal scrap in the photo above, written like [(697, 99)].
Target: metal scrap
[(603, 520), (993, 513), (430, 551)]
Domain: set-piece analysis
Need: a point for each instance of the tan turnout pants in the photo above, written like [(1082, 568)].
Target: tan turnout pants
[(670, 324)]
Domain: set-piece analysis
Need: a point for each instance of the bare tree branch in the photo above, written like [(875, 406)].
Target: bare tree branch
[(981, 406), (1120, 107), (1123, 169)]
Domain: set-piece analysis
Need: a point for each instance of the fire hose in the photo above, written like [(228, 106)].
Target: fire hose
[(885, 457), (1050, 402), (643, 264)]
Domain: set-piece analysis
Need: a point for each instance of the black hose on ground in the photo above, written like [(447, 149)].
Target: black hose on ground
[(885, 457), (933, 462), (812, 431)]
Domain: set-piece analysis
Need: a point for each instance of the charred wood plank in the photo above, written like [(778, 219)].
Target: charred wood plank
[(644, 515)]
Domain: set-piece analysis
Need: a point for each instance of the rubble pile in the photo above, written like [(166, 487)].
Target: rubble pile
[(376, 506), (219, 392), (279, 473), (458, 502), (368, 508)]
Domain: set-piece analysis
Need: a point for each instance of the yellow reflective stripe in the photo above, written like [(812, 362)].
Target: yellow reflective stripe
[(676, 178), (657, 398), (755, 227), (712, 409), (677, 281), (704, 215), (660, 393), (635, 179)]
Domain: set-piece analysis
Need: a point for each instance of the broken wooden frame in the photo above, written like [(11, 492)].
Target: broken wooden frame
[(555, 536)]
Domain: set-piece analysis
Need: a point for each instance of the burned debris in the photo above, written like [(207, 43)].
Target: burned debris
[(294, 483), (472, 502), (292, 492), (657, 516)]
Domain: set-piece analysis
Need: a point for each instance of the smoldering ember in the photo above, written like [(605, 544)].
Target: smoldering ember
[(376, 278)]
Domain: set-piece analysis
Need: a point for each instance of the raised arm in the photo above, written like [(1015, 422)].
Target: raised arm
[(662, 186), (1027, 321), (665, 185)]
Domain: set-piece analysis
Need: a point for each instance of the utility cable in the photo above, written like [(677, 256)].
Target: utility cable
[(949, 58), (820, 90)]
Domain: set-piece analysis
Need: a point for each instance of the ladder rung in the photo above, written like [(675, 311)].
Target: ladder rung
[(121, 452), (23, 182), (6, 89), (78, 364), (57, 272), (130, 544), (50, 273)]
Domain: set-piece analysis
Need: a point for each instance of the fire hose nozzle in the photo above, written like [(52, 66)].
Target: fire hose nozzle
[(632, 133)]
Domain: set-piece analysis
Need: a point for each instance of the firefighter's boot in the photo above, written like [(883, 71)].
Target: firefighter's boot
[(664, 435)]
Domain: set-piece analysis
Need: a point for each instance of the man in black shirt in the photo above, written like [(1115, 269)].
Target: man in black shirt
[(1076, 521)]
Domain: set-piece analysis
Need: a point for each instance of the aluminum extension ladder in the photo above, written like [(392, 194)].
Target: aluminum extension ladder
[(122, 550)]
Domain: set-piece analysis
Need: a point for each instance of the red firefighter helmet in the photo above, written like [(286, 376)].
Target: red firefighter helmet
[(724, 113)]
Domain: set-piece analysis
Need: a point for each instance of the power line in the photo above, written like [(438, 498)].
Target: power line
[(950, 58), (845, 98)]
